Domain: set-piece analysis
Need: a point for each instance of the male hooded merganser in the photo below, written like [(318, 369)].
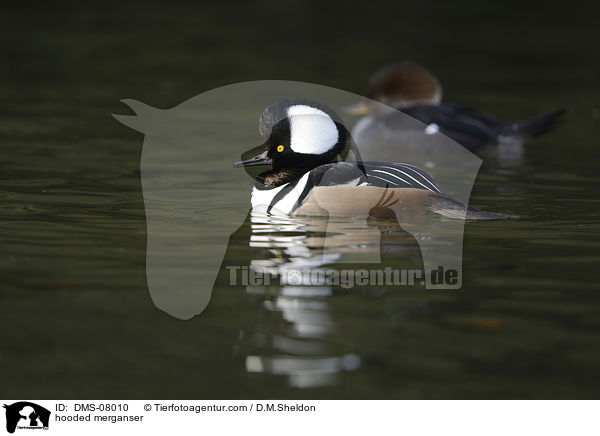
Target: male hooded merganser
[(303, 142), (414, 91)]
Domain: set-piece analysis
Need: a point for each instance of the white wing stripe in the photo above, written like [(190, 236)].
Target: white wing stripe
[(420, 172), (408, 175), (392, 175)]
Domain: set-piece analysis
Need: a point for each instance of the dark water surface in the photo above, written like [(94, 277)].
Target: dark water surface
[(76, 316)]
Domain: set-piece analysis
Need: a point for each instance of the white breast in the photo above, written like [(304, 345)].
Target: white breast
[(262, 199)]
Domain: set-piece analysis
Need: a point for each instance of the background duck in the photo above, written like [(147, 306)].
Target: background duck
[(415, 92)]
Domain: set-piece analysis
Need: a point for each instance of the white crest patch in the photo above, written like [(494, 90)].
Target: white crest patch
[(312, 131)]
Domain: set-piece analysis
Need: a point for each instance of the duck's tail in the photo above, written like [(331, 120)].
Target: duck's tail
[(535, 126), (451, 208), (476, 214)]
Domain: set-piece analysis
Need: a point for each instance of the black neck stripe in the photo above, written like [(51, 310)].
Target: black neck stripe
[(309, 185), (286, 190)]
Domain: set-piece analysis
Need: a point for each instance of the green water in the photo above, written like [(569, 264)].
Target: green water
[(76, 316)]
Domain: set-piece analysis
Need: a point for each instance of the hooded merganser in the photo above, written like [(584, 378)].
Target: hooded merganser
[(303, 142), (412, 90)]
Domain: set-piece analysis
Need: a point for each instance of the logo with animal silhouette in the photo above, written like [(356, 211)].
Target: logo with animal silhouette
[(24, 415), (307, 165)]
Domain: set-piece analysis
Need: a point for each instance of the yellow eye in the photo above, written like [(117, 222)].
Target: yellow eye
[(280, 148)]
